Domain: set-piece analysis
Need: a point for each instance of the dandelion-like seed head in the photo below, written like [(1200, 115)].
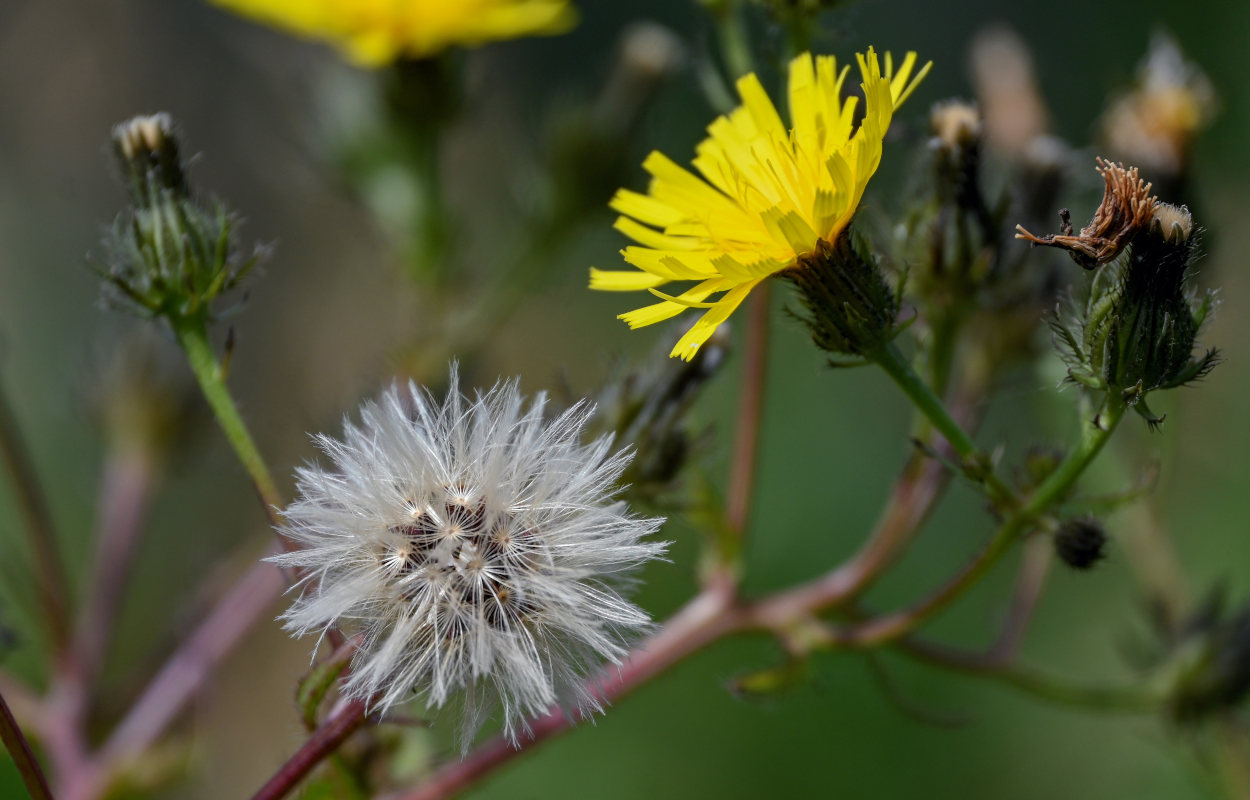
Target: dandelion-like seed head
[(477, 549), (767, 195), (373, 33)]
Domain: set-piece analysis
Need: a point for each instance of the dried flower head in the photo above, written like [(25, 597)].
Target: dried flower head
[(767, 196), (1126, 208), (377, 32), (475, 546)]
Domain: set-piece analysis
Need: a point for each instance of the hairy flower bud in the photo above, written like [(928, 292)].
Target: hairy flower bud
[(169, 255), (1137, 330), (850, 307), (1154, 324), (1212, 661)]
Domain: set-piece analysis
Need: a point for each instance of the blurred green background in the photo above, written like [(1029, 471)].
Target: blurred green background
[(326, 320)]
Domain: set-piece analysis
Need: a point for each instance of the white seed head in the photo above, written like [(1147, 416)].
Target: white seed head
[(475, 546)]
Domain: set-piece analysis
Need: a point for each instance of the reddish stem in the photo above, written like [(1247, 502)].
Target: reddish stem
[(707, 617), (123, 504), (187, 669), (340, 724), (23, 756), (750, 412)]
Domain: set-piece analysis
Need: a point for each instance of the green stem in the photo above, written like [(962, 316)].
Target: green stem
[(1127, 699), (896, 365), (881, 630), (192, 335), (734, 42)]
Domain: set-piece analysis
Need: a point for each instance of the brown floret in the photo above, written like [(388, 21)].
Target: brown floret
[(1126, 208)]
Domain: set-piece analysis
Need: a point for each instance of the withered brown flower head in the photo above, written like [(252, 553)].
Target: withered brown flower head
[(1127, 207)]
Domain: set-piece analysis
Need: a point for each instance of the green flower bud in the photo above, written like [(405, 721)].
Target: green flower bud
[(850, 307), (1154, 322), (168, 255)]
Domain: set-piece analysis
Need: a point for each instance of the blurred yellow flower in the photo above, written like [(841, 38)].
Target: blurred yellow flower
[(377, 32), (766, 196)]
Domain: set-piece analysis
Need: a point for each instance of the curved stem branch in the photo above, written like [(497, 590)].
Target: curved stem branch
[(896, 365), (881, 630), (703, 620), (188, 668), (125, 493)]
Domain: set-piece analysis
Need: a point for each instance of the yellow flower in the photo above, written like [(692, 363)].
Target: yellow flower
[(767, 194), (377, 32)]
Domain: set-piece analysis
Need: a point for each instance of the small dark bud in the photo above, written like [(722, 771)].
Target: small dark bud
[(850, 307), (1080, 543)]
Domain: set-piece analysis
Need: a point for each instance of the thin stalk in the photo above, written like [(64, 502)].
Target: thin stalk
[(881, 630), (734, 42), (340, 724), (1126, 699), (23, 756), (896, 365), (192, 335), (750, 413), (32, 506), (124, 498), (1031, 579)]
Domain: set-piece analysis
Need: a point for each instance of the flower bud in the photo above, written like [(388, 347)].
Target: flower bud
[(169, 255), (850, 307), (1154, 324), (647, 410), (1080, 543), (1137, 330), (148, 152)]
